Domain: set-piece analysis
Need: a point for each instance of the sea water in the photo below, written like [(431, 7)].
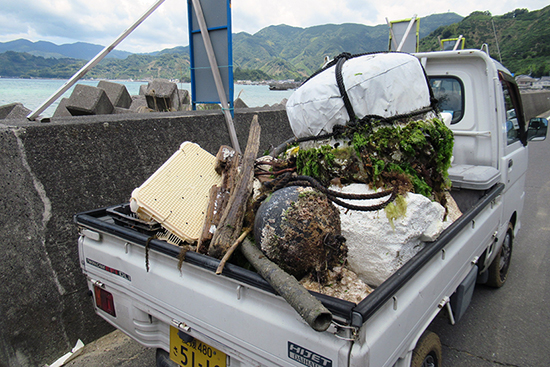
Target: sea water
[(33, 92)]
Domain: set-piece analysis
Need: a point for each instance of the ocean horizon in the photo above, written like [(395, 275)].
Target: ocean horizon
[(33, 92)]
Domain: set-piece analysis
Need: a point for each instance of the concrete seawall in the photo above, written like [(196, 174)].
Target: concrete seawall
[(51, 171), (535, 103)]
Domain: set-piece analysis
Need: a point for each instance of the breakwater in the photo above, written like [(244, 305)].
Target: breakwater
[(535, 103)]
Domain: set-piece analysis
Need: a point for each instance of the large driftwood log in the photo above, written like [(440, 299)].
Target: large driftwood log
[(231, 222), (309, 307)]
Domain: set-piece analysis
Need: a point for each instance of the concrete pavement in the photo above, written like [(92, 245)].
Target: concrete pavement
[(114, 349)]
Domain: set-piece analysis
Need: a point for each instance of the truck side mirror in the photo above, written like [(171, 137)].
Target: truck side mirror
[(538, 128)]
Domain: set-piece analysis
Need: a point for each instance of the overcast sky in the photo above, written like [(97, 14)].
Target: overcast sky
[(102, 21)]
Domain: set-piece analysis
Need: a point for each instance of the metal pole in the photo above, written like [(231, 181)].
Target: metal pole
[(457, 44), (402, 43), (216, 74), (93, 62), (392, 35)]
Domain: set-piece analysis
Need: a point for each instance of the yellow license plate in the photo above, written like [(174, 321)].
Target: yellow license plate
[(194, 353)]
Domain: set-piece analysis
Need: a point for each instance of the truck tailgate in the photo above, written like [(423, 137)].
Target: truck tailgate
[(246, 321)]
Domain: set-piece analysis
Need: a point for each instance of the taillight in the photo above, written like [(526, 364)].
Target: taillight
[(104, 300)]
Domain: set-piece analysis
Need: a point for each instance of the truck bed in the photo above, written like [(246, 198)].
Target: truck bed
[(239, 312)]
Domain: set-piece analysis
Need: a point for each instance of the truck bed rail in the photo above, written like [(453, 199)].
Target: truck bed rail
[(98, 219), (386, 290)]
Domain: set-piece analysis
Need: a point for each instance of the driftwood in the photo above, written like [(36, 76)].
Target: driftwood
[(227, 163), (231, 222), (309, 307), (232, 249), (207, 232)]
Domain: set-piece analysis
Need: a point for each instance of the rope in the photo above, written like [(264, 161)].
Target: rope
[(307, 180), (339, 130), (335, 196)]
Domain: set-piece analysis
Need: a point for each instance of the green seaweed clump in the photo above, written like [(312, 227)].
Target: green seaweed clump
[(396, 209), (315, 162), (414, 155), (327, 164), (420, 150)]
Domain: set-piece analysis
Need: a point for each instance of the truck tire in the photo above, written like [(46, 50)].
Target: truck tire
[(163, 359), (427, 352), (498, 270)]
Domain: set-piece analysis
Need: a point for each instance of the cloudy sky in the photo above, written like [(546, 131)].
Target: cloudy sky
[(102, 21)]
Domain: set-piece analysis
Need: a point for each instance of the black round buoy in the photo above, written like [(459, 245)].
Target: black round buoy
[(298, 228)]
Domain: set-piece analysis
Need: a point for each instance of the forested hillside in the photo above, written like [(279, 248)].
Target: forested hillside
[(275, 52), (284, 51), (523, 38), (166, 65)]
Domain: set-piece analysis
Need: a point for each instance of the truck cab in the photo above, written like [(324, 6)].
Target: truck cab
[(489, 129)]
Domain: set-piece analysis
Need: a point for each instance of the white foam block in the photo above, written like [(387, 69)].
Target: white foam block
[(375, 248)]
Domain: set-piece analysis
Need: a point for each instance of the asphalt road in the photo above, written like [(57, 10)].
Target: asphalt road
[(509, 326)]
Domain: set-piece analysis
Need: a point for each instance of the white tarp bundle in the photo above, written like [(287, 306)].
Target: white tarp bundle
[(385, 84)]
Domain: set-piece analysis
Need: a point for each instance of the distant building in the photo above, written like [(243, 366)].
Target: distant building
[(525, 81), (542, 83)]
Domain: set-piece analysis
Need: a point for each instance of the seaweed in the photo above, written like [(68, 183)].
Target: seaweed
[(396, 209), (418, 150)]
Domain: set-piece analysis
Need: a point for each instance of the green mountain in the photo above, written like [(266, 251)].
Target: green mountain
[(280, 52), (25, 65), (78, 50), (285, 52), (523, 38), (167, 66), (304, 49)]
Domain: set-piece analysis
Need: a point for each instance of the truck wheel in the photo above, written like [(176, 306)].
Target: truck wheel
[(498, 270), (427, 352), (163, 359)]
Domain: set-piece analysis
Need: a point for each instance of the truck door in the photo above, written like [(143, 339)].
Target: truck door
[(514, 159)]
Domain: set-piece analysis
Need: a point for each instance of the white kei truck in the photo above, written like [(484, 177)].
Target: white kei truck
[(196, 318)]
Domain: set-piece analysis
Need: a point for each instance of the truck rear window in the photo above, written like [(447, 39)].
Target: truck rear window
[(449, 92)]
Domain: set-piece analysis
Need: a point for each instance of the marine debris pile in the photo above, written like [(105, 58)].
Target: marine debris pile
[(368, 135), (360, 189)]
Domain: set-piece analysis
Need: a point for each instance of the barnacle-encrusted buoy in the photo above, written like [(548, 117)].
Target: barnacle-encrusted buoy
[(298, 228)]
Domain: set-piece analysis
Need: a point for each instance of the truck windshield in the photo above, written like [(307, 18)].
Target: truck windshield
[(449, 92)]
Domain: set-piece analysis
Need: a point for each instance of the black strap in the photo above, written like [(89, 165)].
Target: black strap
[(340, 82)]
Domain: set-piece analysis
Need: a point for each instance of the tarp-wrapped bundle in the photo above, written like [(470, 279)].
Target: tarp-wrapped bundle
[(384, 84)]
